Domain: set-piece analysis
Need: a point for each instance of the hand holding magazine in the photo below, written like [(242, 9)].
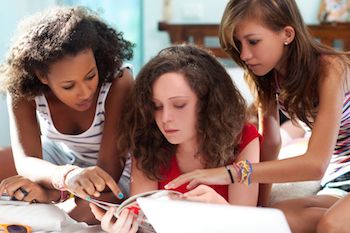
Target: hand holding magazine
[(131, 204)]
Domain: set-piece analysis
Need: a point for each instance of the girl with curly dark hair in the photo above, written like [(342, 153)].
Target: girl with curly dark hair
[(185, 114), (66, 88)]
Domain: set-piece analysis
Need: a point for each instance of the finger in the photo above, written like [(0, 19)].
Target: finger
[(200, 190), (124, 222), (128, 222), (98, 182), (183, 179), (192, 184), (12, 184), (135, 226), (18, 195), (87, 185), (106, 220), (98, 212), (79, 192), (110, 183)]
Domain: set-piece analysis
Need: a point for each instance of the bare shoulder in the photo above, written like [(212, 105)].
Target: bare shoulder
[(334, 74), (120, 89), (21, 105)]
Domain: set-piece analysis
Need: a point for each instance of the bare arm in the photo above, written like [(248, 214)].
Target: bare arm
[(139, 181), (312, 164), (308, 166), (240, 194), (109, 157), (26, 143)]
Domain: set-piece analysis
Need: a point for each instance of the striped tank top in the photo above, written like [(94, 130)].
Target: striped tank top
[(340, 160), (85, 146)]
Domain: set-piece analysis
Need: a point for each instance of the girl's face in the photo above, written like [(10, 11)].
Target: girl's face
[(74, 80), (260, 48), (175, 108)]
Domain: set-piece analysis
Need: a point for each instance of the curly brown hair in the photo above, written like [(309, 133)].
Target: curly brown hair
[(48, 36), (221, 110), (303, 60)]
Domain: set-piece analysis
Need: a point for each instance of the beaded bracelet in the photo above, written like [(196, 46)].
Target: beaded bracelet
[(230, 174), (246, 170), (64, 196)]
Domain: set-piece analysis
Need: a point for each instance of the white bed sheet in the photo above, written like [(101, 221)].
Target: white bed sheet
[(43, 218)]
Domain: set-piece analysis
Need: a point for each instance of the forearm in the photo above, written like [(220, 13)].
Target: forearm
[(299, 168), (37, 170)]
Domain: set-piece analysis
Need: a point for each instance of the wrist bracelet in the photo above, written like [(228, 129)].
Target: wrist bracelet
[(59, 176), (230, 174)]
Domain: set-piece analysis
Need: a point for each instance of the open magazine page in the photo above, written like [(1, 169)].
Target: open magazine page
[(132, 204), (8, 200), (144, 224)]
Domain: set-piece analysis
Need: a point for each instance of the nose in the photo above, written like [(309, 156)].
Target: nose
[(84, 92), (246, 54), (167, 115)]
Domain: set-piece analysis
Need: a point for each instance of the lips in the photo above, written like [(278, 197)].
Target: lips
[(170, 131)]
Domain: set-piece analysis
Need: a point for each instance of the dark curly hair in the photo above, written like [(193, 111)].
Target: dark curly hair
[(51, 35), (221, 110)]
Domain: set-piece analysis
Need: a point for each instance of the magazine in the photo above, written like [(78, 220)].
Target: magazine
[(131, 203)]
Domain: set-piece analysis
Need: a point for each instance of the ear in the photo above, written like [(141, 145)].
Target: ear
[(42, 77), (288, 35)]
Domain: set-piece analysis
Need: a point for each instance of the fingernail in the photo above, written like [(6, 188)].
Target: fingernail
[(120, 195), (169, 186)]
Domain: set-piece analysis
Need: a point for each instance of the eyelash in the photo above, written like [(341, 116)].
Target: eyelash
[(176, 106), (253, 42), (87, 78)]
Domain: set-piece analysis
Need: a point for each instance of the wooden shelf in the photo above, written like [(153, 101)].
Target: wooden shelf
[(196, 33)]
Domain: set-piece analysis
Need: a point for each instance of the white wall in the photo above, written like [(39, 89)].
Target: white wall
[(11, 12), (182, 11)]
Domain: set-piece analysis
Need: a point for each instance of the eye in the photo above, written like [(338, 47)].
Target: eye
[(68, 87), (158, 107), (91, 77), (179, 106), (253, 42)]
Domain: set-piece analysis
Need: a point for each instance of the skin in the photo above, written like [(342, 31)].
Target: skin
[(257, 42), (176, 117), (72, 101)]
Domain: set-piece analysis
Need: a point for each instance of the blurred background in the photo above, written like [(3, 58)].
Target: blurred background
[(137, 19)]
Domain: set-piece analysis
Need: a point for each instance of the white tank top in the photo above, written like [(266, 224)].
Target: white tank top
[(84, 146)]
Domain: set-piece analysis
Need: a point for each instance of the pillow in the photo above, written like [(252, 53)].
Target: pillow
[(40, 217)]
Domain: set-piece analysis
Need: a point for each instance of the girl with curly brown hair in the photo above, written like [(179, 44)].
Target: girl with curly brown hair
[(185, 114), (66, 88)]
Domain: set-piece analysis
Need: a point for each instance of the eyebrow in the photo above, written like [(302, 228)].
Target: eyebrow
[(87, 74), (173, 97)]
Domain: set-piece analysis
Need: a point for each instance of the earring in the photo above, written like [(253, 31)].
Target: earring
[(285, 43)]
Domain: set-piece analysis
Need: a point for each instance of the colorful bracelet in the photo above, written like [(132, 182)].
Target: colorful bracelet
[(230, 174), (246, 171), (64, 196), (238, 172)]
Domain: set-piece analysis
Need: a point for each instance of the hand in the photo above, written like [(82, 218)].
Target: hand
[(24, 189), (84, 182), (204, 193), (126, 222), (216, 176)]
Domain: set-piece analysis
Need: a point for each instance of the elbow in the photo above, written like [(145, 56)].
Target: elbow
[(270, 148), (317, 171)]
